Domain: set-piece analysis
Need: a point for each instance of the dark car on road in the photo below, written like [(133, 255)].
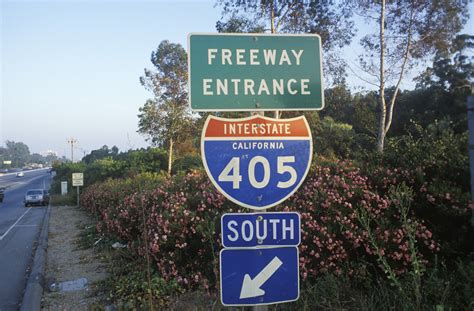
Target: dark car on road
[(36, 197), (2, 194)]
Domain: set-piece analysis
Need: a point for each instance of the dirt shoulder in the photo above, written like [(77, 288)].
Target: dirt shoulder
[(67, 261)]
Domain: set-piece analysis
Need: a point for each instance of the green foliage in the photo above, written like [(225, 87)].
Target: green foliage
[(332, 139), (64, 173), (337, 102), (436, 149), (167, 118), (103, 169), (187, 163), (101, 153), (62, 200), (130, 290), (145, 160), (403, 32), (105, 164), (19, 155), (239, 24), (434, 162), (332, 22), (356, 231), (127, 284), (452, 69), (442, 289), (17, 152)]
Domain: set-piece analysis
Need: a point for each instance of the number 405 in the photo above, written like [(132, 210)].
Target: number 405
[(282, 168)]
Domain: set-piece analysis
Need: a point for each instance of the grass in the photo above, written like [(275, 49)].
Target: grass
[(61, 200)]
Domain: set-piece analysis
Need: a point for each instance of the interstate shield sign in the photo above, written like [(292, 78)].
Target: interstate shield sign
[(256, 162)]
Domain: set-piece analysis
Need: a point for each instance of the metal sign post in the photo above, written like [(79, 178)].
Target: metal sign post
[(257, 162), (77, 181)]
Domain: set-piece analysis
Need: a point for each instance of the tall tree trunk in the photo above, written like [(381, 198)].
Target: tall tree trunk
[(406, 55), (382, 104), (170, 156)]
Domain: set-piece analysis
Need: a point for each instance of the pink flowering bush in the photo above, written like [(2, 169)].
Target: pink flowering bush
[(334, 202), (442, 204), (434, 162), (176, 222)]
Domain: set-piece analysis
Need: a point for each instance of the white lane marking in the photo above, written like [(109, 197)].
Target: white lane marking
[(17, 184), (5, 234), (26, 172)]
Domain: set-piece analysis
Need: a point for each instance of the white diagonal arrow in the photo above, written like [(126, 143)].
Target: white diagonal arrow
[(251, 288)]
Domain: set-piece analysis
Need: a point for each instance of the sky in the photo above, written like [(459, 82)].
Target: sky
[(71, 68)]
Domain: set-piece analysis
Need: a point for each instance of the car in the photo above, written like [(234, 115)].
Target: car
[(36, 197), (2, 194), (20, 174)]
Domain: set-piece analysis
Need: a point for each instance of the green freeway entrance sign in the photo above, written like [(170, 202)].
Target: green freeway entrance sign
[(251, 72)]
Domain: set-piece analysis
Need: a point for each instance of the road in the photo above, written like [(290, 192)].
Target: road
[(19, 231)]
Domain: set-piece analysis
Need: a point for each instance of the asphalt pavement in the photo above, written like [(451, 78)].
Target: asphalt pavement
[(19, 231)]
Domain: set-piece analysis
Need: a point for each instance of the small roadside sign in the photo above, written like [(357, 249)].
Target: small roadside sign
[(260, 229), (255, 72), (77, 179), (259, 276), (256, 162), (63, 187)]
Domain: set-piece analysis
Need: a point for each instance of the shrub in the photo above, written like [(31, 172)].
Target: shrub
[(177, 223), (333, 202), (187, 163), (433, 161), (64, 173)]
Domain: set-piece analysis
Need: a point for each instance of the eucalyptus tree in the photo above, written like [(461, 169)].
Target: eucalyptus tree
[(404, 31), (166, 118), (330, 20), (16, 152)]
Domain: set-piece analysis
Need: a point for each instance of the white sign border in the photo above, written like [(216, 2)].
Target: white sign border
[(256, 248), (77, 182), (257, 208), (263, 214), (256, 35)]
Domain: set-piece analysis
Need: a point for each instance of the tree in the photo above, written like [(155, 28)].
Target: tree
[(446, 84), (337, 102), (239, 24), (50, 158), (453, 70), (101, 153), (17, 152), (167, 118), (407, 31), (332, 22), (37, 158)]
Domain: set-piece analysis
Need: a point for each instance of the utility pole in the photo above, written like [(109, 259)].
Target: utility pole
[(72, 141), (470, 123)]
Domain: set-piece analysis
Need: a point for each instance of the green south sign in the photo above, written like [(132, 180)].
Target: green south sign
[(252, 72)]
